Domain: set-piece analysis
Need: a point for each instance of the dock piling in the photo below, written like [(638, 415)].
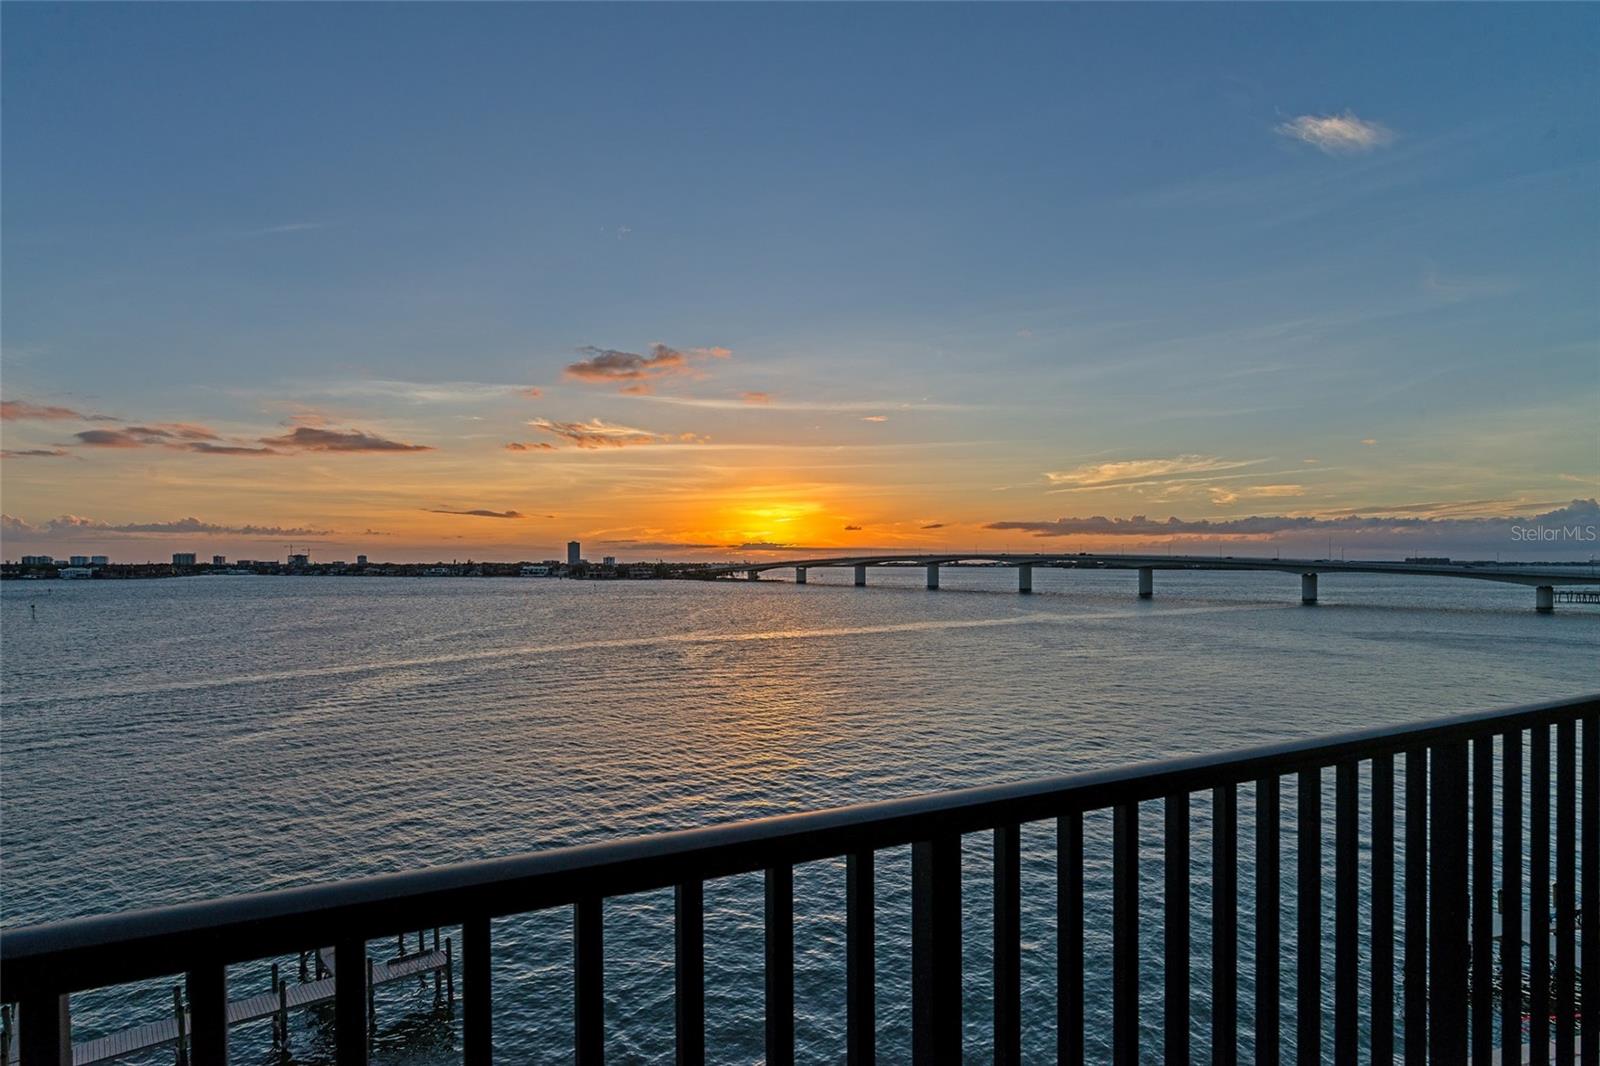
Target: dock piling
[(1147, 582), (183, 1036), (1308, 589), (449, 976), (277, 1029)]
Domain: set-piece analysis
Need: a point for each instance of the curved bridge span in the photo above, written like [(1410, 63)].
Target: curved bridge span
[(1542, 579)]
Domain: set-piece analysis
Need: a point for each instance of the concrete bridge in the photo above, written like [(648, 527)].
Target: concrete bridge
[(1543, 579)]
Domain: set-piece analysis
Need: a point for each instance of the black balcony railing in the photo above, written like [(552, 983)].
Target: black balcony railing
[(1449, 803)]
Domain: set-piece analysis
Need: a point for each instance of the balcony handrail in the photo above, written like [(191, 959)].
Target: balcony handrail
[(81, 953)]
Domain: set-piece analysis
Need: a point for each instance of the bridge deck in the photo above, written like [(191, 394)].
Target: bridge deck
[(1528, 574)]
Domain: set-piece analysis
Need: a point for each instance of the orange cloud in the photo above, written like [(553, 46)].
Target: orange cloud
[(310, 438), (530, 446), (478, 513), (596, 433), (635, 372), (109, 438), (17, 410), (755, 397)]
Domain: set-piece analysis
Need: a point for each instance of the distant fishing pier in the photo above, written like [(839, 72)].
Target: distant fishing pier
[(1544, 579)]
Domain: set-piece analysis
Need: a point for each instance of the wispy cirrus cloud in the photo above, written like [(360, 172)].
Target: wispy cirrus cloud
[(530, 446), (34, 453), (1236, 493), (1344, 134), (1580, 513), (477, 513), (760, 398), (596, 433), (636, 373), (283, 227), (1126, 472), (71, 523), (23, 410)]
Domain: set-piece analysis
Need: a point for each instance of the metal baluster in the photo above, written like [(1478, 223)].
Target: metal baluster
[(588, 978), (1225, 926), (349, 1004), (1268, 966), (477, 1003), (1482, 901), (1538, 931), (1069, 939), (936, 950), (44, 1031), (1308, 918), (690, 972), (1511, 1001), (1382, 1006), (1125, 935), (1416, 935), (1007, 945), (1566, 901), (1176, 931), (1589, 1046), (860, 961), (1447, 913), (207, 989), (1346, 887), (780, 965)]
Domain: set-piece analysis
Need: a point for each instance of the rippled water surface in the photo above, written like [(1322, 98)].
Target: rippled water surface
[(171, 740)]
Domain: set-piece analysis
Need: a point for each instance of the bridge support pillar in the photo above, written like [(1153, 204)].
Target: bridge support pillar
[(1308, 589), (933, 575), (753, 575), (861, 577), (1025, 578), (1544, 599), (1146, 582), (799, 575)]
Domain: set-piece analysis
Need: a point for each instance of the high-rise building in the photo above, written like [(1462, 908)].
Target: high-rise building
[(574, 553), (219, 560), (183, 558), (99, 560), (80, 560), (361, 560)]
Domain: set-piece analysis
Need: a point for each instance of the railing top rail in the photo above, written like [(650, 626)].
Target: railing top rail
[(90, 952)]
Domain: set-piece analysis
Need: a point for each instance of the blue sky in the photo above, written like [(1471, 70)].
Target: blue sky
[(1028, 240)]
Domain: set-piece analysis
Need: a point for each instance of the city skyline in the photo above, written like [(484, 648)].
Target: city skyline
[(480, 281)]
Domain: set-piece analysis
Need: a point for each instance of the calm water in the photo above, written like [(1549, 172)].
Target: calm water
[(170, 740)]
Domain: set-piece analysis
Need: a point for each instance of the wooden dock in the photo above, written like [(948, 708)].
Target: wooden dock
[(290, 995)]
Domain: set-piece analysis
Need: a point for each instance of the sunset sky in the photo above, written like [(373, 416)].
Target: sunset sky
[(455, 281)]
